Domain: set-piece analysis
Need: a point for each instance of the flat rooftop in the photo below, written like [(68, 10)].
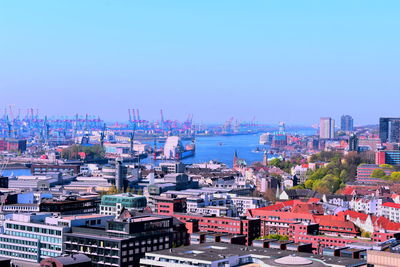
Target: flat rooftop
[(83, 216), (216, 251)]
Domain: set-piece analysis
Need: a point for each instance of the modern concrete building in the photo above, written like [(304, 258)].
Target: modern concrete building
[(222, 254), (114, 204), (389, 130), (327, 128), (382, 259), (125, 240), (346, 123), (35, 237)]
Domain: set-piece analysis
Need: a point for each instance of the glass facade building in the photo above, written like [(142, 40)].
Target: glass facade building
[(113, 204), (30, 241)]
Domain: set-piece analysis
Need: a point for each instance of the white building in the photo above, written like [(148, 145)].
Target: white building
[(368, 205), (391, 211), (34, 237), (243, 203), (326, 128)]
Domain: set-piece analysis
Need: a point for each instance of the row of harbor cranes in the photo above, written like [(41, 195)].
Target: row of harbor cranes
[(162, 125)]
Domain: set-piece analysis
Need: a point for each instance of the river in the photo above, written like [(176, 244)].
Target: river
[(222, 148), (219, 148)]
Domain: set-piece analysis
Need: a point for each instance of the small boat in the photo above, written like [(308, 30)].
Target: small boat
[(257, 150)]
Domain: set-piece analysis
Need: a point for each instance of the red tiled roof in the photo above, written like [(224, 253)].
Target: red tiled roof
[(314, 200), (334, 221), (308, 208), (354, 214), (282, 215), (385, 223), (348, 190), (378, 222)]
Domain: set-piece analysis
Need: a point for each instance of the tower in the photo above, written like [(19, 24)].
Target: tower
[(265, 158), (327, 128), (346, 123), (353, 143), (235, 159), (282, 127)]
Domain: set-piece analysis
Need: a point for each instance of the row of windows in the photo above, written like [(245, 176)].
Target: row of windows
[(18, 241), (95, 242), (33, 229), (144, 242), (213, 221), (18, 248), (18, 255), (107, 208), (50, 254), (85, 249), (50, 246), (40, 237), (172, 261)]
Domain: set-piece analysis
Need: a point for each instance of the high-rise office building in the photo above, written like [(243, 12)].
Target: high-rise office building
[(353, 142), (389, 130), (326, 128), (346, 123)]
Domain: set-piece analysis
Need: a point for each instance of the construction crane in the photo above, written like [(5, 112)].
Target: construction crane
[(130, 116), (139, 121), (131, 138), (9, 127)]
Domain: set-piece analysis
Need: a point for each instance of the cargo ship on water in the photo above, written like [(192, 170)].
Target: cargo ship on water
[(175, 150)]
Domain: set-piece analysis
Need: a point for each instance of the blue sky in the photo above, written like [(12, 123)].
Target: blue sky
[(290, 61)]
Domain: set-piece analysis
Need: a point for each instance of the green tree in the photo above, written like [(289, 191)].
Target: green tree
[(344, 175), (277, 236), (275, 162), (113, 190), (92, 152), (299, 186), (309, 183), (140, 191), (395, 176), (366, 234), (329, 184), (378, 173), (386, 166)]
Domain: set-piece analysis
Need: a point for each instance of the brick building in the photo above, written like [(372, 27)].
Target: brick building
[(13, 145), (238, 226)]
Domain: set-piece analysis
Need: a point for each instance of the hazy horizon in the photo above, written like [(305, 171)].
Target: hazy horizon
[(292, 61)]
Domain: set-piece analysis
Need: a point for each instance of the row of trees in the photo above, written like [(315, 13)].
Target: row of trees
[(113, 190), (381, 174), (274, 236), (340, 170), (94, 152), (286, 165)]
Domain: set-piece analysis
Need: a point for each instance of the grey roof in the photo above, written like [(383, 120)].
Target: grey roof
[(343, 197), (206, 252), (306, 193), (73, 259)]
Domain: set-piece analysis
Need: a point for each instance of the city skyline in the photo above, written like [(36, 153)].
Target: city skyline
[(199, 133), (301, 61), (13, 112)]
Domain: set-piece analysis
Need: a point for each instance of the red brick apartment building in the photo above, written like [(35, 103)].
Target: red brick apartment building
[(240, 226), (13, 145), (303, 233)]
